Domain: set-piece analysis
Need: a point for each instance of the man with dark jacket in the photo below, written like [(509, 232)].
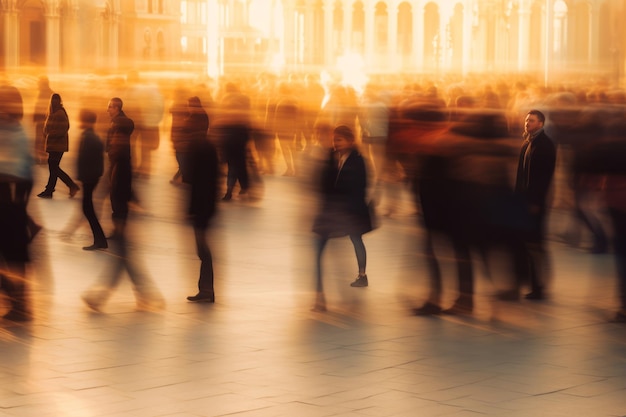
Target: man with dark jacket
[(201, 172), (118, 149), (90, 169), (535, 170)]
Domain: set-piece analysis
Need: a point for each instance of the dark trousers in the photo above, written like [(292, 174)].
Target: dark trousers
[(531, 259), (121, 183), (618, 219), (464, 269), (54, 162), (90, 213), (205, 282), (14, 243), (237, 171)]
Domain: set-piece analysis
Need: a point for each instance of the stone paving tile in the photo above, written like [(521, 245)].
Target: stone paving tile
[(259, 351)]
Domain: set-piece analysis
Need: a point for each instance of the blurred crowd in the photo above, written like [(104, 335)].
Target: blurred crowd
[(461, 146)]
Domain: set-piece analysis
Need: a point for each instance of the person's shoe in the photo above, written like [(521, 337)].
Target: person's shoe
[(361, 281), (508, 295), (535, 295), (428, 309), (460, 307), (17, 315), (73, 190), (202, 298), (227, 197), (44, 194), (96, 246)]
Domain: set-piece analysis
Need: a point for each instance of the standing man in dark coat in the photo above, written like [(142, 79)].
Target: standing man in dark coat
[(535, 170), (118, 149), (90, 169), (201, 171)]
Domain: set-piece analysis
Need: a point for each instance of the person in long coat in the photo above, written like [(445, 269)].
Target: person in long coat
[(55, 130), (344, 210)]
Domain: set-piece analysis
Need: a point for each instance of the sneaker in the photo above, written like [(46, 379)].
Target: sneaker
[(361, 281)]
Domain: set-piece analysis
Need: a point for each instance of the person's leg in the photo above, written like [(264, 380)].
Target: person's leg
[(99, 239), (361, 258), (206, 290), (320, 299), (54, 159), (618, 219)]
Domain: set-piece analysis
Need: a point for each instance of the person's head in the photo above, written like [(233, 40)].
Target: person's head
[(343, 139), (11, 104), (87, 118), (534, 121), (115, 107), (55, 102), (194, 102)]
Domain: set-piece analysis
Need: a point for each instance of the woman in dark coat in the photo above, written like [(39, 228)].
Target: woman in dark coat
[(55, 130), (344, 210)]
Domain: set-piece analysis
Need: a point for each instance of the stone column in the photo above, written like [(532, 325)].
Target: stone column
[(368, 30), (53, 38), (392, 38), (328, 35), (70, 36), (523, 38), (418, 35), (11, 38)]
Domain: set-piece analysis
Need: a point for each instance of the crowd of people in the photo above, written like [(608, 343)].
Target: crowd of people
[(480, 162)]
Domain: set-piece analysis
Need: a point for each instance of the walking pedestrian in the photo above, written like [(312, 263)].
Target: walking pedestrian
[(55, 130), (344, 210), (90, 169)]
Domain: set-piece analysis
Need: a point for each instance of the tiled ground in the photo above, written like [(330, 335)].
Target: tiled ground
[(260, 351)]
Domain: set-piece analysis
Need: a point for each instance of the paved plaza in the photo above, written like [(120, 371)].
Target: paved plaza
[(260, 351)]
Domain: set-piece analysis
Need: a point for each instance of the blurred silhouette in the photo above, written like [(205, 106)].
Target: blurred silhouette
[(535, 170), (55, 129), (201, 171), (606, 157), (90, 169), (232, 134), (287, 125), (344, 209), (15, 185), (118, 149), (180, 140), (465, 198), (39, 116), (146, 106)]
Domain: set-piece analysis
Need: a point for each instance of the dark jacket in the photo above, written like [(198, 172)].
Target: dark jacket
[(90, 157), (534, 176), (344, 209), (55, 130), (118, 137), (204, 169)]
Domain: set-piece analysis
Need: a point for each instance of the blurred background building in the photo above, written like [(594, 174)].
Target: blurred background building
[(376, 36)]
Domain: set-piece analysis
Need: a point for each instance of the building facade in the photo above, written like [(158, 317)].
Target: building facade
[(221, 36)]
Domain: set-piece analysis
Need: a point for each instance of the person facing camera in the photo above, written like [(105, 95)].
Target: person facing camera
[(344, 210)]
